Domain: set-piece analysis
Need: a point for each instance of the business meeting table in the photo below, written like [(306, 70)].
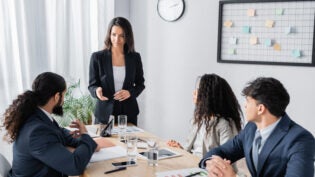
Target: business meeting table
[(142, 169)]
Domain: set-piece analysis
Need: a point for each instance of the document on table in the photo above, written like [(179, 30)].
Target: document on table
[(130, 129), (183, 173), (92, 130), (109, 153)]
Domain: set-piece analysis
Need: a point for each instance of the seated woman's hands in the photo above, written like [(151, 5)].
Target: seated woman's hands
[(173, 143)]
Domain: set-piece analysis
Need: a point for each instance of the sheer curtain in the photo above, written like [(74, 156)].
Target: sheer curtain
[(48, 35)]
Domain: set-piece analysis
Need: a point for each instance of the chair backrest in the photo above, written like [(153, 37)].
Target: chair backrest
[(5, 166)]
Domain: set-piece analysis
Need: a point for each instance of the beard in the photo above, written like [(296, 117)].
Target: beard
[(58, 110)]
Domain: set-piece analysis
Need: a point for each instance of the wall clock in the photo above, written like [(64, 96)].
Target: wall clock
[(170, 10)]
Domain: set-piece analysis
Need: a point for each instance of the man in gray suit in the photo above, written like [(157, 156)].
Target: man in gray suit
[(40, 146)]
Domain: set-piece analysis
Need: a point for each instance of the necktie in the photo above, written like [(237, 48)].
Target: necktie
[(255, 150)]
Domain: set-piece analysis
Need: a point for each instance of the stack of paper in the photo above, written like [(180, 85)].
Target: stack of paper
[(109, 153)]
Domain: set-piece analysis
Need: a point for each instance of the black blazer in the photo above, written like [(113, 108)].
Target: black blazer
[(101, 75), (41, 150)]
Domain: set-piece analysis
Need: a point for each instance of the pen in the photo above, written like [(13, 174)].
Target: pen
[(96, 131), (193, 174), (117, 169)]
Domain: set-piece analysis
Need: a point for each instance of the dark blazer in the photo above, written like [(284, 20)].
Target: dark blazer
[(289, 151), (101, 75), (40, 150)]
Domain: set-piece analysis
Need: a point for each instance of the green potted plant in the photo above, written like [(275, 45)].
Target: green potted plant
[(76, 106)]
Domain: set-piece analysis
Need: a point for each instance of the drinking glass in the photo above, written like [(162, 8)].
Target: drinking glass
[(122, 126), (112, 119), (153, 152), (132, 150), (100, 128)]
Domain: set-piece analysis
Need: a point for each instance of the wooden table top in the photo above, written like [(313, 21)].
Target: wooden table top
[(142, 169)]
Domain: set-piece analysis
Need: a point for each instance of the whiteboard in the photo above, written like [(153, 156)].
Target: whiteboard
[(266, 32)]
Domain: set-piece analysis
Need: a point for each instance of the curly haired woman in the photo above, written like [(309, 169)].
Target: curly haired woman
[(217, 116)]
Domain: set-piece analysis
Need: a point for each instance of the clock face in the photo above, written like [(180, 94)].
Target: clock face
[(170, 10)]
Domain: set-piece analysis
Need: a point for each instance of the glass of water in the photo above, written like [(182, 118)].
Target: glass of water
[(122, 126), (132, 150), (100, 129), (153, 152)]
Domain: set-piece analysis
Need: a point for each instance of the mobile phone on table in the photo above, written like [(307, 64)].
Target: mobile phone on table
[(124, 164)]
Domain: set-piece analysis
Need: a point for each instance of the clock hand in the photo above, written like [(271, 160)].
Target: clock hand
[(174, 5)]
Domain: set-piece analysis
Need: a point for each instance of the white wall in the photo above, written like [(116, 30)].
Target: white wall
[(175, 53)]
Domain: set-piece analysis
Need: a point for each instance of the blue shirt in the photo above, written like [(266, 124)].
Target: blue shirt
[(266, 132)]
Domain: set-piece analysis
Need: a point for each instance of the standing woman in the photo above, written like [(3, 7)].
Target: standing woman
[(217, 116), (116, 74)]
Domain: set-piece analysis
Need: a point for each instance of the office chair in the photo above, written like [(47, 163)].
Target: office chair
[(5, 166)]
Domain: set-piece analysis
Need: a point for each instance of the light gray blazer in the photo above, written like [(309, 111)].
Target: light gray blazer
[(220, 134)]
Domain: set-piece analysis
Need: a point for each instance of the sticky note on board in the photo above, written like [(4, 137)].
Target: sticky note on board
[(277, 47), (233, 40), (296, 53), (232, 51), (269, 23), (279, 11), (253, 40), (250, 12), (228, 23), (288, 30), (246, 29), (267, 42)]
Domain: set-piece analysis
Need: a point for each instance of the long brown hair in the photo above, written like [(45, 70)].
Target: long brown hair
[(216, 99), (126, 26), (44, 87)]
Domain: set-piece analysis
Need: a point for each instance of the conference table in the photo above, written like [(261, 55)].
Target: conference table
[(142, 169)]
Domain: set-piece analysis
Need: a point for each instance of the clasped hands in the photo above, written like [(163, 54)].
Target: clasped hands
[(121, 95), (216, 166)]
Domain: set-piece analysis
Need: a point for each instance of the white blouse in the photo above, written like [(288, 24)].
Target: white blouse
[(119, 73)]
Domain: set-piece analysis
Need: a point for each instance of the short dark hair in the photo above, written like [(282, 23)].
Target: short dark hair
[(269, 92), (126, 26)]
